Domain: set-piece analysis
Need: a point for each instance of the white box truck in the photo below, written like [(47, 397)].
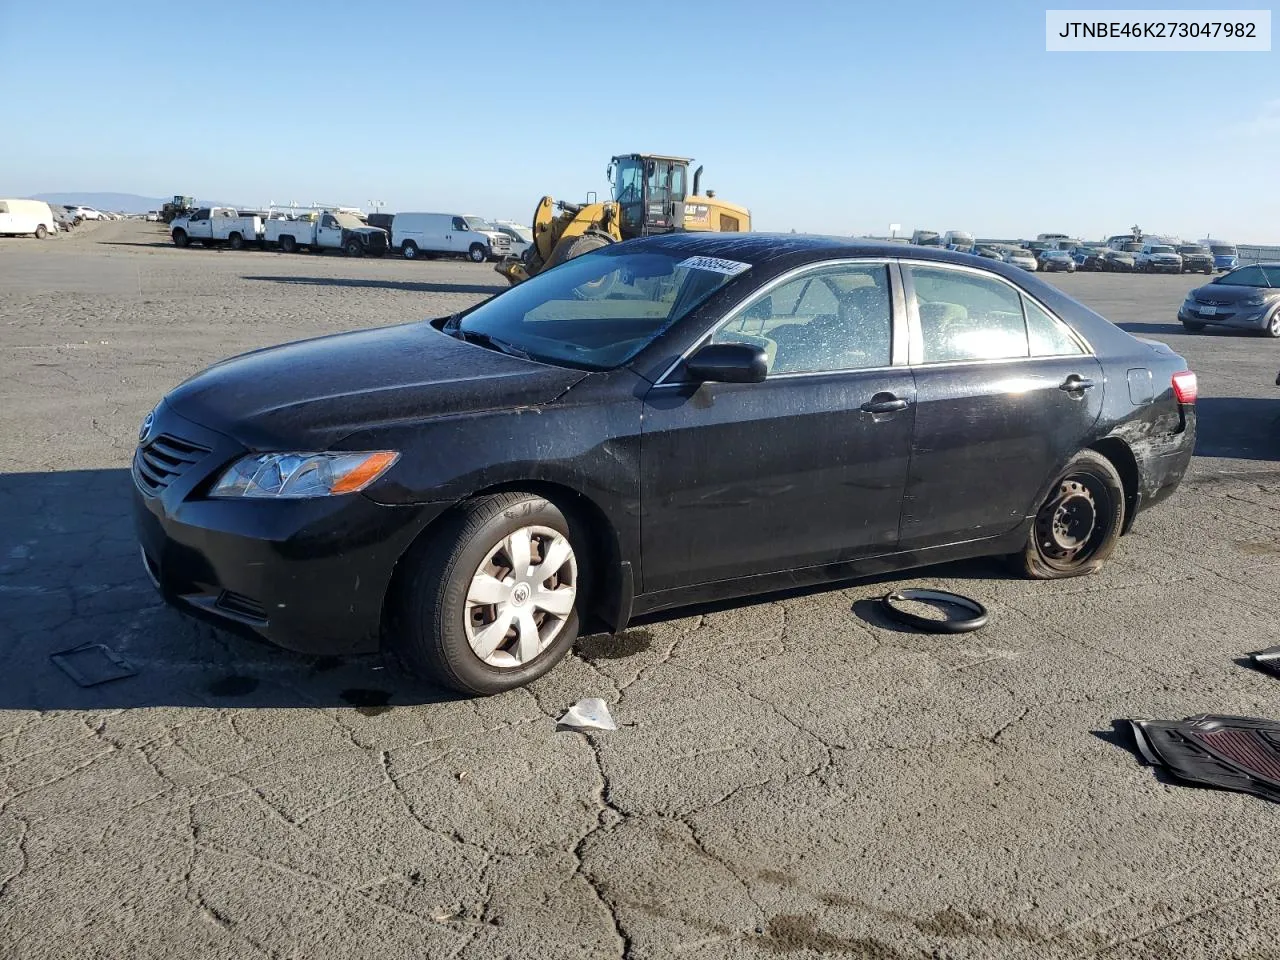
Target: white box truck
[(448, 234), (213, 226), (19, 217)]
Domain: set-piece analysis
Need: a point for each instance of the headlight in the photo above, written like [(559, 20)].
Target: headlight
[(298, 475), (1255, 301)]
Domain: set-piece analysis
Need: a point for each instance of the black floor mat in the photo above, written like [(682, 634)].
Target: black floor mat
[(1230, 753)]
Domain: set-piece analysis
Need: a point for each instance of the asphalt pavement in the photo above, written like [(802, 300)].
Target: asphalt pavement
[(792, 776)]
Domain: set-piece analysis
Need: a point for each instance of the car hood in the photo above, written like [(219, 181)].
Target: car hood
[(1230, 293), (312, 393)]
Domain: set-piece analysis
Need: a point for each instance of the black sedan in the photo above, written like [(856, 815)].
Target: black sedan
[(1246, 298), (664, 421)]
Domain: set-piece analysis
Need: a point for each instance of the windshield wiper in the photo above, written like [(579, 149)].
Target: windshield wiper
[(493, 343)]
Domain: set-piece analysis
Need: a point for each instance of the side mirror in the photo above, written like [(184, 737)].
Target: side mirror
[(729, 363)]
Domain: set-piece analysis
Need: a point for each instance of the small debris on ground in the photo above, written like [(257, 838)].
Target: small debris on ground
[(589, 712), (92, 663)]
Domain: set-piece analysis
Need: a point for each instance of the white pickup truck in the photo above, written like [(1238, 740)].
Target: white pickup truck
[(216, 225), (327, 230)]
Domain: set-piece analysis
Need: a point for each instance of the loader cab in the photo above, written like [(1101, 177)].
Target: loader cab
[(650, 191)]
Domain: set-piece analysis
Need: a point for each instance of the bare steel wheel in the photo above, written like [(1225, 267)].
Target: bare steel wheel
[(521, 596), (489, 598), (1078, 523)]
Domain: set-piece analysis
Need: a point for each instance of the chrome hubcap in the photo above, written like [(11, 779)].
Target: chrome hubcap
[(521, 596)]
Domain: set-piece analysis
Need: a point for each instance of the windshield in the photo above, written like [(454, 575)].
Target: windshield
[(1159, 249), (523, 234), (1132, 248), (348, 221), (600, 309), (1223, 250), (479, 223), (1192, 248)]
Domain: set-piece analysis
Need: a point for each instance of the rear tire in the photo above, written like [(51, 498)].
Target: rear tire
[(439, 610), (409, 250), (180, 238), (1077, 526), (237, 241), (288, 244), (41, 232), (477, 253)]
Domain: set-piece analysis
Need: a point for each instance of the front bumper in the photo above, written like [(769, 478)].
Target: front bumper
[(1167, 266), (308, 575), (1242, 318), (1196, 266)]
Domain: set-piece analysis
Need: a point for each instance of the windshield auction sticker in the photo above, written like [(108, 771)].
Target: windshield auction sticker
[(1154, 31), (730, 268)]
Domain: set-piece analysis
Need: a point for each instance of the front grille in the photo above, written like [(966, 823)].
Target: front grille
[(239, 605), (163, 460)]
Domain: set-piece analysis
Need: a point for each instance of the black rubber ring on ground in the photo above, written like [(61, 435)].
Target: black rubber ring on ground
[(979, 619)]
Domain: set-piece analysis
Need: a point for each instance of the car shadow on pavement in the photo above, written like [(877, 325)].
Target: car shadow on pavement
[(70, 574), (409, 285), (1243, 428)]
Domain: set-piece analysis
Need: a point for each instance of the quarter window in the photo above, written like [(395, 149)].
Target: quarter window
[(1048, 337), (835, 318), (964, 316)]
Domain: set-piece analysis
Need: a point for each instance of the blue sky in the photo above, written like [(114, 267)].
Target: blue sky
[(828, 117)]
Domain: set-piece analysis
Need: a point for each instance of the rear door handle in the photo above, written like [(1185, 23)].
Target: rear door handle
[(1075, 383), (887, 405)]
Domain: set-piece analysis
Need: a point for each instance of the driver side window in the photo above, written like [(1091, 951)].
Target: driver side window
[(459, 223), (832, 319)]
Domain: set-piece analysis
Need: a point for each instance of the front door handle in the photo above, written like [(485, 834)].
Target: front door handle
[(1075, 383), (884, 403)]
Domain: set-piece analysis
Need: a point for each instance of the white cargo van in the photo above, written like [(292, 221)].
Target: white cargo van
[(448, 234), (26, 216)]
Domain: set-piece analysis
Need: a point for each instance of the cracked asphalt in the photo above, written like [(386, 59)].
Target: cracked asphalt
[(791, 777)]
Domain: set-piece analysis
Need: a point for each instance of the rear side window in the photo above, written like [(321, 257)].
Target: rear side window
[(966, 316), (1048, 336)]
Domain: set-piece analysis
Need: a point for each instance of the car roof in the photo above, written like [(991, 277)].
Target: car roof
[(767, 248)]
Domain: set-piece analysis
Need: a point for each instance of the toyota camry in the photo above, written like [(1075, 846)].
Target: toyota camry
[(661, 422)]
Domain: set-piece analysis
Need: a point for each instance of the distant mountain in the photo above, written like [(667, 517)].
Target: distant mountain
[(117, 202)]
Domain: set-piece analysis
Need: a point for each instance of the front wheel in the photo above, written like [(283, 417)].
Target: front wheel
[(353, 248), (180, 238), (1273, 324), (477, 253), (490, 600), (1078, 524)]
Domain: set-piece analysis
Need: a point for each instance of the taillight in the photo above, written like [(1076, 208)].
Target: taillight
[(1185, 387)]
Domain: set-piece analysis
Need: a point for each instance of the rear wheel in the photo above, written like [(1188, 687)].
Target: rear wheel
[(237, 241), (41, 232), (409, 250), (288, 244), (180, 238), (1079, 523), (1192, 327), (477, 253), (490, 600)]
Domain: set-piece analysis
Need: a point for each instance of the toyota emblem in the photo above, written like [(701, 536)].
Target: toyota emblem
[(144, 431)]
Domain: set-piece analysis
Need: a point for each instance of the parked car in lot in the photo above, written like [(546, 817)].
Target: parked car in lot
[(674, 419), (1118, 261), (1247, 298), (213, 226), (988, 251), (1022, 258), (521, 237), (30, 217), (448, 234), (1225, 255), (1158, 258), (82, 212), (1089, 259), (1057, 260), (1196, 258), (327, 230), (153, 216)]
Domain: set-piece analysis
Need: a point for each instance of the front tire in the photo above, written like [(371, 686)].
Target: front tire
[(354, 249), (180, 238), (1273, 325), (490, 600), (477, 253), (1077, 526)]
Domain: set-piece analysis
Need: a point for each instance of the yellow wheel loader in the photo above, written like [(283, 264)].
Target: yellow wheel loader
[(650, 195)]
